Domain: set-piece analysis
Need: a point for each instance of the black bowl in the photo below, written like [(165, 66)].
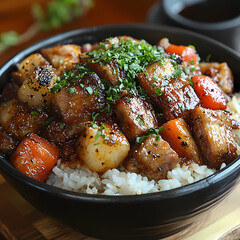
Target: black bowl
[(149, 216)]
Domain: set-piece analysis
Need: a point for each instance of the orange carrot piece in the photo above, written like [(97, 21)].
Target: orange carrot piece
[(187, 54), (35, 157), (177, 133), (209, 93)]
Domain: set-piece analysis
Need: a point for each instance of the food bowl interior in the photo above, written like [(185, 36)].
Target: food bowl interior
[(151, 34)]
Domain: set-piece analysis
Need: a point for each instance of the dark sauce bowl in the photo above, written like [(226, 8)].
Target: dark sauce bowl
[(178, 212), (219, 19)]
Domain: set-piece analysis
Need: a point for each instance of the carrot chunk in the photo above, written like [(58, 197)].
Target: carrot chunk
[(187, 54), (35, 157), (177, 133), (209, 93)]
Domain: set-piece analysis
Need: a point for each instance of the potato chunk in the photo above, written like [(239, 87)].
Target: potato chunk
[(28, 65), (153, 158), (212, 131), (102, 148), (35, 90)]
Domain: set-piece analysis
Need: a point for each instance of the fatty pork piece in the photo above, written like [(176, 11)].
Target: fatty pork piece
[(17, 119), (60, 133), (102, 147), (212, 131), (7, 143), (57, 54), (35, 90), (175, 97), (9, 92), (109, 71), (220, 73), (178, 134), (135, 116), (153, 158), (116, 41), (28, 65), (78, 100)]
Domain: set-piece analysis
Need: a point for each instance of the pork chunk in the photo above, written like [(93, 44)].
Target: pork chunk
[(7, 143), (174, 97), (212, 131), (109, 71), (58, 53), (18, 120), (220, 73), (60, 133), (135, 116), (78, 100), (153, 158)]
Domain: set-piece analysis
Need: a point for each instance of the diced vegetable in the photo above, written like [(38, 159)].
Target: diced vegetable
[(177, 133), (209, 93), (187, 54), (102, 147), (35, 157)]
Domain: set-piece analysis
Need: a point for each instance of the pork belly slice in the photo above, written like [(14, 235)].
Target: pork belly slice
[(178, 134), (153, 158), (135, 116), (76, 102), (174, 97), (220, 73), (18, 119), (212, 131), (57, 54), (7, 143), (60, 133), (109, 71)]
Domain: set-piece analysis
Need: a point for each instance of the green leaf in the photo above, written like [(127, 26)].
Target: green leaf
[(8, 39), (37, 12)]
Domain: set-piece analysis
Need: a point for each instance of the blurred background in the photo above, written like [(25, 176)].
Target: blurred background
[(36, 20), (24, 22)]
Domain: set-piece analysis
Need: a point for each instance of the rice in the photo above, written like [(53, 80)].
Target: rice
[(119, 182), (115, 182)]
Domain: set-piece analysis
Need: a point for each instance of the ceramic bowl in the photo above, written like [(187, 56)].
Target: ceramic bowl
[(227, 31), (175, 213)]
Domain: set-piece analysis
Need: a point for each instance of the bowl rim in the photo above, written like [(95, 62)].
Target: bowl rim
[(7, 168), (208, 26)]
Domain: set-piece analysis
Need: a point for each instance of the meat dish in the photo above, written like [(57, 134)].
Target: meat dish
[(120, 116)]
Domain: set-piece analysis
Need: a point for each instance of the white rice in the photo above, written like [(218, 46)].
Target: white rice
[(114, 182)]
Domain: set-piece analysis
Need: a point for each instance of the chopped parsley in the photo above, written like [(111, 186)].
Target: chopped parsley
[(69, 76), (158, 92), (150, 131)]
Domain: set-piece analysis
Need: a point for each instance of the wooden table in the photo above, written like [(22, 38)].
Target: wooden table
[(18, 219)]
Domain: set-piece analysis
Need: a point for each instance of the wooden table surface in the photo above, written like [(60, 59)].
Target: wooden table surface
[(18, 219)]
